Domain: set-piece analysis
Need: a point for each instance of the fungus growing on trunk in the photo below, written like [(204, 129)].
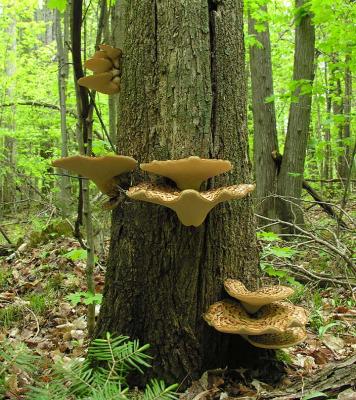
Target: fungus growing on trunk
[(188, 173), (272, 325), (253, 301), (290, 337), (101, 170), (228, 316), (191, 206), (106, 67), (103, 83)]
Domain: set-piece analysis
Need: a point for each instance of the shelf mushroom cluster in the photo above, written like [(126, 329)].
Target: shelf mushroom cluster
[(105, 64), (101, 170), (260, 317), (190, 205)]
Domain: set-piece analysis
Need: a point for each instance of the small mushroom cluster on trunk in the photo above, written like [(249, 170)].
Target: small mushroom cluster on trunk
[(259, 316), (105, 64), (190, 205)]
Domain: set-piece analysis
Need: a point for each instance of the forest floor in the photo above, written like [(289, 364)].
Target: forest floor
[(42, 296)]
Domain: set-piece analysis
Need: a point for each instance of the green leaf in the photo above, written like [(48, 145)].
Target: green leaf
[(76, 254), (283, 252), (57, 4), (268, 236), (75, 298), (313, 395)]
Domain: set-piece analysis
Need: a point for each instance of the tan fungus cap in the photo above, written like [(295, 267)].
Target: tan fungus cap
[(101, 170), (99, 65), (111, 52), (188, 173), (228, 316), (253, 301), (290, 337), (102, 83), (191, 206)]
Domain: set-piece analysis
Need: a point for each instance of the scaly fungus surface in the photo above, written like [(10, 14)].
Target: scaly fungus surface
[(190, 205), (254, 300)]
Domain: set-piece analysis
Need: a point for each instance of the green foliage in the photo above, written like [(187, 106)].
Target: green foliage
[(39, 303), (85, 297), (58, 4), (15, 357), (9, 315), (103, 374), (76, 255), (314, 395)]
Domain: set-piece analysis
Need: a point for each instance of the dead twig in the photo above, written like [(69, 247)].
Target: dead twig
[(323, 242)]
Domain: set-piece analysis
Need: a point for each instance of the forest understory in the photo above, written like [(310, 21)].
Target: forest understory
[(43, 312), (239, 116)]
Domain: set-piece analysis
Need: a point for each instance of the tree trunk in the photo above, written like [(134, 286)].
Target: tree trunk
[(9, 184), (63, 72), (327, 169), (345, 158), (338, 111), (264, 119), (292, 168), (183, 93)]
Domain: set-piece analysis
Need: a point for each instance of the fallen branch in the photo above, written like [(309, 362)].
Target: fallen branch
[(277, 158), (331, 380), (331, 247), (313, 276), (5, 235)]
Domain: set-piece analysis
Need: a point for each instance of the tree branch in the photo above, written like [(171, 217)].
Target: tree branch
[(38, 104)]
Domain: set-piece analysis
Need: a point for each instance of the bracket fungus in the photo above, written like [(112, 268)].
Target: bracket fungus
[(191, 206), (253, 301), (106, 67), (290, 337), (259, 317), (228, 316), (101, 170), (188, 173)]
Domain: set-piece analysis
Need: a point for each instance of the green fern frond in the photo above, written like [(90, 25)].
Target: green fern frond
[(108, 392), (157, 390), (16, 356)]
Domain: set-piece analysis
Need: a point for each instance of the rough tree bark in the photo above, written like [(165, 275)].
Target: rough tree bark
[(264, 119), (183, 93), (292, 168)]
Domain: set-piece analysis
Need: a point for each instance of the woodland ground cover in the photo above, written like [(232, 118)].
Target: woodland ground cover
[(46, 286)]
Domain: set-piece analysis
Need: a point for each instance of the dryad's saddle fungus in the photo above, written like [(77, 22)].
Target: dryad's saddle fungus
[(188, 173), (106, 67), (191, 206), (228, 316), (253, 301), (290, 337), (101, 170)]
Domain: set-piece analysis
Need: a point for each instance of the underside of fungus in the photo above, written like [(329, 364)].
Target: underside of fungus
[(254, 300), (228, 316), (290, 337), (191, 206), (188, 173), (106, 67), (101, 170)]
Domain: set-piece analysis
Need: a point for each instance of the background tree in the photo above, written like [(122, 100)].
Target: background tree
[(183, 92), (264, 114)]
